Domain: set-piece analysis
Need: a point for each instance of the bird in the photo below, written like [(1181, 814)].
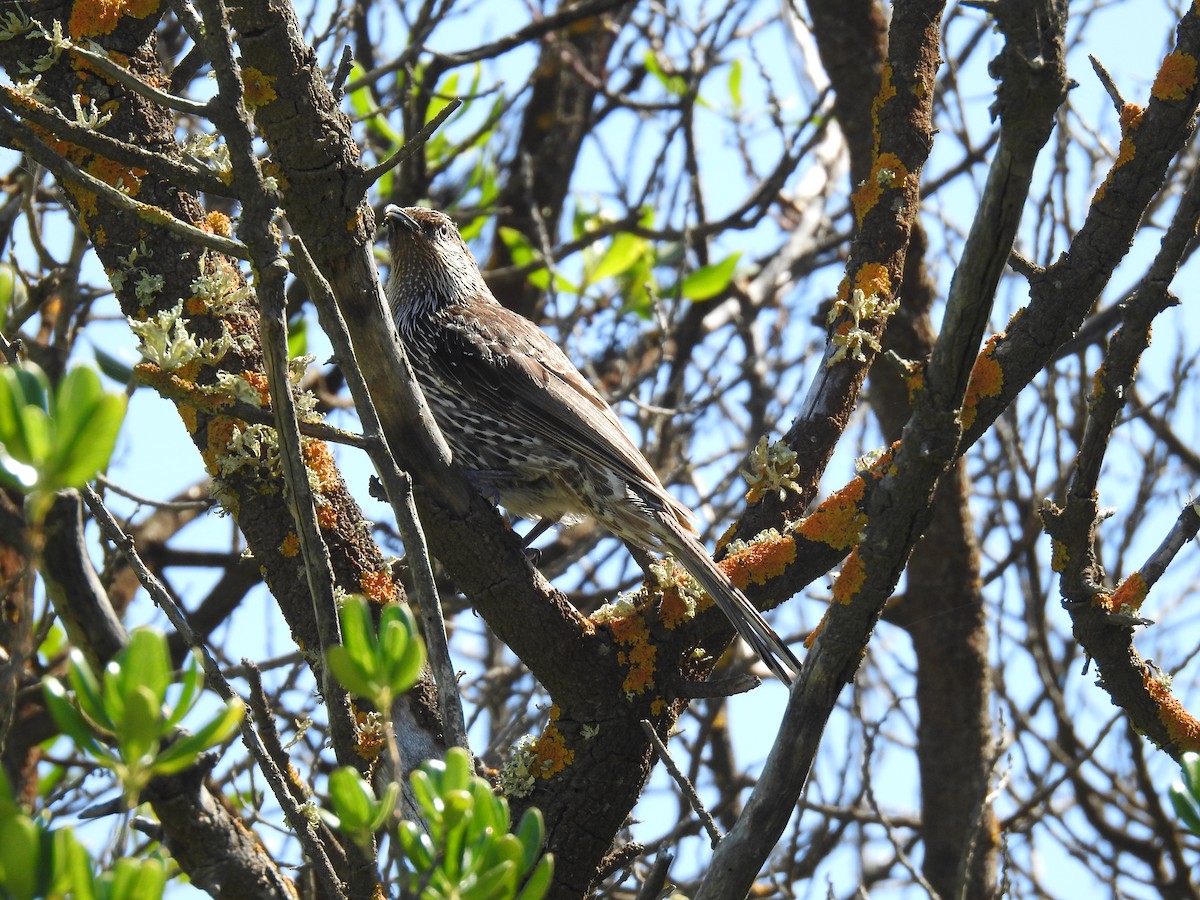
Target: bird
[(527, 428)]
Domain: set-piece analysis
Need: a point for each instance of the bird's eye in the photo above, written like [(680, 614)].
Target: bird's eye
[(444, 230)]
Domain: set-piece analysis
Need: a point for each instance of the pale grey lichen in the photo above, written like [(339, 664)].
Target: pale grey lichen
[(166, 341), (773, 468), (518, 776)]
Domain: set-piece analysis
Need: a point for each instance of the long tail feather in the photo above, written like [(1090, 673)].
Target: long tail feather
[(733, 603)]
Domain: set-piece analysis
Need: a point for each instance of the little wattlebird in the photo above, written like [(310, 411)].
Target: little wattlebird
[(524, 424)]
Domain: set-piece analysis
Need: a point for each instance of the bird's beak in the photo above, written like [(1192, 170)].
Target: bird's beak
[(398, 218)]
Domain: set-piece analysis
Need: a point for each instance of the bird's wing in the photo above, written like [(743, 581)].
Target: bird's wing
[(510, 365)]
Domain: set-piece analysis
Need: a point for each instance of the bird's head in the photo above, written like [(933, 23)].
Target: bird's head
[(431, 265)]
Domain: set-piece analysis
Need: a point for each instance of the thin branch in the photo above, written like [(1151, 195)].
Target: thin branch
[(416, 142), (135, 84), (685, 786), (398, 488), (19, 136), (216, 678)]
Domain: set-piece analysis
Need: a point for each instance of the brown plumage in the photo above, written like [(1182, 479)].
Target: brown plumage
[(525, 425)]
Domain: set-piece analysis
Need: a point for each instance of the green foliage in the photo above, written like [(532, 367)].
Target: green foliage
[(628, 258), (1185, 794), (674, 84), (37, 861), (297, 339), (377, 664), (523, 254), (469, 851), (114, 367), (708, 281), (735, 85), (356, 811), (55, 440), (122, 719), (12, 291)]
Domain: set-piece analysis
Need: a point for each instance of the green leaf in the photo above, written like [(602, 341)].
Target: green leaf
[(145, 662), (401, 651), (352, 798), (496, 882), (137, 879), (735, 85), (139, 731), (709, 281), (362, 101), (538, 885), (89, 693), (418, 848), (12, 291), (192, 681), (183, 752), (35, 434), (623, 251), (119, 370), (20, 857), (1186, 807), (519, 248), (72, 873), (346, 670), (508, 848), (531, 832), (446, 91), (297, 339), (457, 770), (24, 434), (1190, 764), (490, 811), (426, 795), (86, 423), (675, 84), (66, 716)]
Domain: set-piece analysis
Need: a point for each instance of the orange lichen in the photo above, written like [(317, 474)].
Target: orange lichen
[(85, 202), (1059, 556), (839, 520), (850, 580), (657, 706), (189, 416), (552, 753), (327, 517), (259, 87), (1130, 116), (1176, 76), (126, 178), (290, 546), (377, 587), (1130, 594), (1181, 725), (95, 17), (873, 279), (217, 223), (258, 381), (370, 736), (320, 462), (812, 635), (1131, 120), (887, 91), (987, 380), (759, 561), (220, 433), (631, 632), (886, 172), (673, 611)]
